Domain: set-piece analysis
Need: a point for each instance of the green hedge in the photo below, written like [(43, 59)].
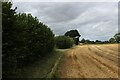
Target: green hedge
[(25, 39), (64, 42)]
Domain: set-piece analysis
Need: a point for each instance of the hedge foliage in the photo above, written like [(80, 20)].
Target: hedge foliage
[(64, 42), (25, 39)]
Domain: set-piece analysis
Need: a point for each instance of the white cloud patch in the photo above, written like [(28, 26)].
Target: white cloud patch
[(94, 20)]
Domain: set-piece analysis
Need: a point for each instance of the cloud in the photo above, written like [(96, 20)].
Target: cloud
[(94, 20)]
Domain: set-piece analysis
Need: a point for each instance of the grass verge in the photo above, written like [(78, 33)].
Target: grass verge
[(57, 73), (43, 68)]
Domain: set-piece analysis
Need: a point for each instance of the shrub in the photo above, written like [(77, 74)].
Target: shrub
[(25, 39), (64, 42)]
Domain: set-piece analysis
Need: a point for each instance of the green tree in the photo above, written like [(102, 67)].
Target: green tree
[(112, 40), (87, 41), (97, 41), (117, 37), (74, 34), (83, 40)]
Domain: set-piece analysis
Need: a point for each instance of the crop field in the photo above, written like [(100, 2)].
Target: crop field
[(90, 61)]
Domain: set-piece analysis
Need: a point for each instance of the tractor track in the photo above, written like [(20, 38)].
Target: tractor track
[(89, 61)]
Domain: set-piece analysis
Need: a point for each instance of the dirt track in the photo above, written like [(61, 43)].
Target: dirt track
[(91, 61)]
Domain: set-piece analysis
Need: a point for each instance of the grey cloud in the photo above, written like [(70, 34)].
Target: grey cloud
[(94, 20)]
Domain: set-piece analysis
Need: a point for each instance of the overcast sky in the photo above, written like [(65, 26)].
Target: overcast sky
[(93, 20)]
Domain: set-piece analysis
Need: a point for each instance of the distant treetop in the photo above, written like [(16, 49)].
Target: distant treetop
[(72, 33)]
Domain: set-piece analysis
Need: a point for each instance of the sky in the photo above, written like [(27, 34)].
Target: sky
[(93, 20)]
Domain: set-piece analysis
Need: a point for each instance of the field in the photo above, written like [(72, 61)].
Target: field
[(82, 61), (89, 61)]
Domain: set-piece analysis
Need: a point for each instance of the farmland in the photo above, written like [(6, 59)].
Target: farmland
[(90, 61), (54, 43)]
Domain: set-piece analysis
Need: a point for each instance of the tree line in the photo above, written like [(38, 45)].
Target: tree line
[(114, 39)]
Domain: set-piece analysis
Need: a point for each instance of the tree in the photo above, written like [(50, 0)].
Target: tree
[(83, 40), (97, 41), (74, 34), (106, 42), (117, 37), (87, 41), (112, 40)]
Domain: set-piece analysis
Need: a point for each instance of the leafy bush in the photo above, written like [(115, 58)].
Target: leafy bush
[(25, 39), (64, 42)]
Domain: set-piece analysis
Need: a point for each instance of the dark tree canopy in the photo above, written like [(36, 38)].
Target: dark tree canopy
[(83, 40), (117, 37), (72, 33), (97, 41), (112, 40), (87, 41)]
